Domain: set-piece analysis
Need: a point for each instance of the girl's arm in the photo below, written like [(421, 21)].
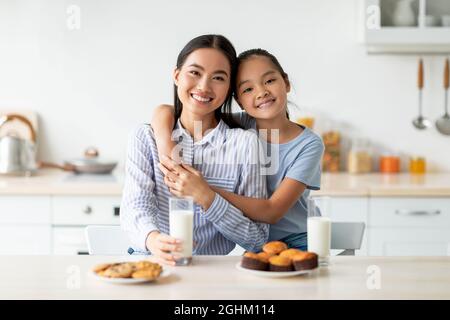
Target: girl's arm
[(267, 210), (162, 123)]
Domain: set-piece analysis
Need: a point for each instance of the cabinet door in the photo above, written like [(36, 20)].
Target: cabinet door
[(25, 239), (409, 212), (351, 209), (69, 240), (25, 209), (85, 210), (409, 242)]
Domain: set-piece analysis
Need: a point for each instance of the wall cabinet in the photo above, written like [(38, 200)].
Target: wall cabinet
[(405, 26)]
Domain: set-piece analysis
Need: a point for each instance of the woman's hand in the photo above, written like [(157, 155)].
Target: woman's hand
[(163, 247), (183, 180)]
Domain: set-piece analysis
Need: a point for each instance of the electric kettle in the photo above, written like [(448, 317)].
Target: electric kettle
[(17, 155)]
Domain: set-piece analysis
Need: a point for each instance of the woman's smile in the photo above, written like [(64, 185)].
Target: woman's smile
[(202, 98)]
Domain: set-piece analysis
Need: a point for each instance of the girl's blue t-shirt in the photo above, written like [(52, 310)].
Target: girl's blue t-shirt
[(299, 159)]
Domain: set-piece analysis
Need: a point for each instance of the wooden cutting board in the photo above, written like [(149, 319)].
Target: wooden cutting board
[(17, 127)]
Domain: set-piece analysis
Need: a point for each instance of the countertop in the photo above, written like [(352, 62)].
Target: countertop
[(385, 185), (57, 182), (216, 277)]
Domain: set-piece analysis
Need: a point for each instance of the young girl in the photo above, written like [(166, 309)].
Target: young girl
[(261, 90), (203, 79)]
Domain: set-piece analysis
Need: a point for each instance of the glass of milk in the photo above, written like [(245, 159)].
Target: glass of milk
[(319, 228), (181, 225)]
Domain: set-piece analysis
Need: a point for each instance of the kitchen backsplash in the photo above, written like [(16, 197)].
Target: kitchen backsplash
[(93, 84)]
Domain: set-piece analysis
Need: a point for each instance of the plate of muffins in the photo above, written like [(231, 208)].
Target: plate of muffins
[(276, 260)]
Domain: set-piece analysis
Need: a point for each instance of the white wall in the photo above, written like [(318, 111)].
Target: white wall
[(91, 86)]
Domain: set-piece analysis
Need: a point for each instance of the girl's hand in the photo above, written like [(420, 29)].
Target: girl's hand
[(183, 180), (163, 247)]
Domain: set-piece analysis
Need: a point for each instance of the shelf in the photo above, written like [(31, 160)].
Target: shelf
[(420, 38)]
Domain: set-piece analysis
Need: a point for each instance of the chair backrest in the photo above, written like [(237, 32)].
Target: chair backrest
[(106, 240), (347, 235)]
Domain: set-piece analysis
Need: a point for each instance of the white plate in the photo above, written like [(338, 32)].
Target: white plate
[(273, 274), (164, 273)]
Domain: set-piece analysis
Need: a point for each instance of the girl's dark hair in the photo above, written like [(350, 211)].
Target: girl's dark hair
[(222, 44), (261, 53)]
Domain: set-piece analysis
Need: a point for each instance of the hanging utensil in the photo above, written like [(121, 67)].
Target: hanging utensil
[(443, 123), (420, 122)]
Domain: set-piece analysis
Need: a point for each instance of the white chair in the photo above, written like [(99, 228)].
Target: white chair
[(106, 240), (347, 236)]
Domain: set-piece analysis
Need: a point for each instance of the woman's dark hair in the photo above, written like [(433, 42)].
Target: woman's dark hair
[(261, 53), (222, 44)]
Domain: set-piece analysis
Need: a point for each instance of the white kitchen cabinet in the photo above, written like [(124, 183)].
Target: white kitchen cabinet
[(25, 224), (409, 242), (25, 239), (52, 224), (25, 210), (380, 34), (85, 210), (404, 226), (69, 240), (409, 212), (71, 215)]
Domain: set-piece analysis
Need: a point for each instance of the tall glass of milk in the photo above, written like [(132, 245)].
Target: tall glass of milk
[(181, 225), (319, 228)]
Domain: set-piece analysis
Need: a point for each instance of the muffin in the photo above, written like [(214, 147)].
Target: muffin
[(277, 263), (264, 256), (274, 247), (289, 253), (305, 261), (253, 261)]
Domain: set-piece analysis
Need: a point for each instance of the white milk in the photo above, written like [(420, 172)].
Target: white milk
[(181, 227), (319, 236)]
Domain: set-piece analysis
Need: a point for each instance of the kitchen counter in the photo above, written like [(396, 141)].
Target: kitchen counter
[(57, 182), (385, 185), (216, 277)]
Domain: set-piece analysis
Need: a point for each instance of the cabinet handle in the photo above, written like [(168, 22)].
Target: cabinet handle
[(116, 211), (87, 210), (407, 212)]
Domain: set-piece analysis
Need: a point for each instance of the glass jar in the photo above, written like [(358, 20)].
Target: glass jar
[(417, 165), (389, 163), (332, 153), (359, 158)]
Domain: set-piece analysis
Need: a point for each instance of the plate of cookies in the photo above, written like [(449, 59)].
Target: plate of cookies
[(129, 272), (276, 260)]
